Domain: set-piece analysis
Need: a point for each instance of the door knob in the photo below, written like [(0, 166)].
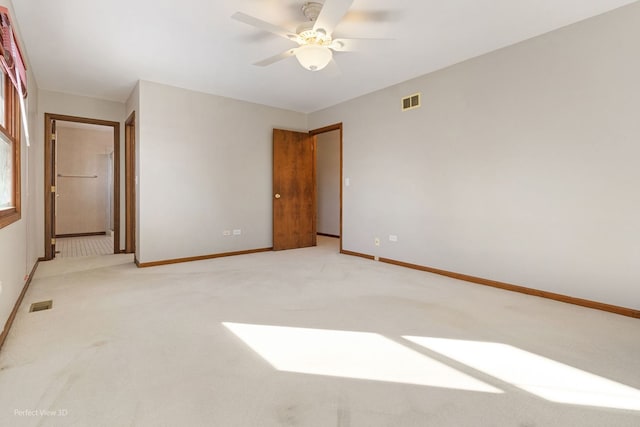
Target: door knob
[(277, 196)]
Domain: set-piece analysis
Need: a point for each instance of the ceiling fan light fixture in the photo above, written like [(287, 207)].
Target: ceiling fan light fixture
[(313, 57)]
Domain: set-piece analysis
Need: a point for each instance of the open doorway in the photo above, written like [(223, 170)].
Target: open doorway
[(328, 183), (82, 206), (84, 189)]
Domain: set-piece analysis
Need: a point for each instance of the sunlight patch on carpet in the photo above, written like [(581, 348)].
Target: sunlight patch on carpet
[(546, 378), (349, 354)]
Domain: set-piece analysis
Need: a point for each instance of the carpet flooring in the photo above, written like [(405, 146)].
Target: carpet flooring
[(307, 337)]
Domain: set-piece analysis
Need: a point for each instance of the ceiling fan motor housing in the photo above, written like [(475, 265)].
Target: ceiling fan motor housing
[(306, 33), (311, 10)]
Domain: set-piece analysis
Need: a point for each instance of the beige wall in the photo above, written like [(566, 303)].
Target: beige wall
[(83, 203), (205, 167), (20, 242), (521, 166)]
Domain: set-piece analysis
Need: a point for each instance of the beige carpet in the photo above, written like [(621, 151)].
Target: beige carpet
[(307, 338)]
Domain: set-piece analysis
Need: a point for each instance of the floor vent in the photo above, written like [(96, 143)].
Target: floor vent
[(410, 102), (42, 305)]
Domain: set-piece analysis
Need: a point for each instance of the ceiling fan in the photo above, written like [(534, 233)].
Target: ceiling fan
[(314, 37)]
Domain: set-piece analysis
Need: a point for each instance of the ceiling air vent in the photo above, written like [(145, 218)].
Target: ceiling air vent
[(410, 102)]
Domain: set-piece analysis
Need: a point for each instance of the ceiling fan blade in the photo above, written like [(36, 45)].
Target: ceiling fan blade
[(331, 14), (350, 45), (284, 55), (263, 25)]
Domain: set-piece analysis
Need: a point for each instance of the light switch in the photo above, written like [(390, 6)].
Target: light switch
[(347, 182)]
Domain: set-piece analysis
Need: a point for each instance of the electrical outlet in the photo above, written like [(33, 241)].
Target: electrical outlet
[(393, 238), (226, 233), (237, 232), (376, 241)]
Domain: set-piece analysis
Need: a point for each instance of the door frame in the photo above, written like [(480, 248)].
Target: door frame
[(129, 183), (325, 129), (50, 182)]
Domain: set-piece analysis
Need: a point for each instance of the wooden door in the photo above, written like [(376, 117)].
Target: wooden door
[(294, 190)]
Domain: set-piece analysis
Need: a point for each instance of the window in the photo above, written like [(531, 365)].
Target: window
[(12, 81), (9, 155), (6, 173)]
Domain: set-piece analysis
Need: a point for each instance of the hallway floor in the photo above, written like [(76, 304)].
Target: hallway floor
[(307, 337), (70, 247)]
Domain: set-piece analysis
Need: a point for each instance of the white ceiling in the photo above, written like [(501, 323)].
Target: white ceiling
[(101, 49)]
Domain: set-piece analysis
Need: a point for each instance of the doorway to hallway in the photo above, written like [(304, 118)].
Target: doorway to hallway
[(84, 180), (329, 182)]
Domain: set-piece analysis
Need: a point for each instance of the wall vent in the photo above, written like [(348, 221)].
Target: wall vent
[(42, 305), (410, 102)]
